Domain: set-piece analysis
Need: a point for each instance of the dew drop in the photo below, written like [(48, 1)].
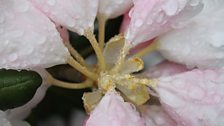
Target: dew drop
[(149, 21), (17, 33), (23, 7), (13, 57), (138, 22), (29, 50), (179, 83), (51, 2), (131, 12), (45, 9), (119, 1), (70, 23), (1, 30), (160, 17), (42, 39), (6, 42), (194, 2), (196, 93), (2, 19), (186, 50), (170, 7), (217, 98)]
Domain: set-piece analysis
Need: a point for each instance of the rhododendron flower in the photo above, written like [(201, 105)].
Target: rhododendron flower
[(120, 95)]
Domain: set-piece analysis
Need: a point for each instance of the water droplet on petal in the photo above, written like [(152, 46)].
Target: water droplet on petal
[(1, 30), (42, 39), (13, 57), (160, 17), (2, 18), (119, 1), (170, 7), (149, 21), (17, 33), (217, 98), (70, 23), (196, 93), (51, 2), (194, 2), (138, 22), (131, 12), (45, 9), (23, 7), (29, 50)]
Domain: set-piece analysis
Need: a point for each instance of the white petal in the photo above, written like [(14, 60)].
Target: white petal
[(28, 38), (75, 15), (164, 69), (114, 8), (150, 18), (113, 111), (200, 43), (194, 98), (156, 116)]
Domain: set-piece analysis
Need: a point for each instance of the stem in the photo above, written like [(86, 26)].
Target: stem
[(101, 22), (99, 54), (86, 84), (150, 48), (81, 68), (74, 53)]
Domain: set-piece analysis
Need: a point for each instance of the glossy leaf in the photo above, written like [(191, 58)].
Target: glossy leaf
[(17, 87)]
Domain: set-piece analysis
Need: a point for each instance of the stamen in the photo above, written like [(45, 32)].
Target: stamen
[(86, 84), (76, 55), (121, 59), (99, 54), (81, 68), (147, 50), (101, 22), (148, 82)]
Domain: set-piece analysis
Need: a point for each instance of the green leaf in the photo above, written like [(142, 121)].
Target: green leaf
[(17, 87)]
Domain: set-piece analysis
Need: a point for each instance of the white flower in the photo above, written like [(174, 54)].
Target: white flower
[(6, 121)]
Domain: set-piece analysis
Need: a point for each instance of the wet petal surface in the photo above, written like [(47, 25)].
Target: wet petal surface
[(194, 98), (28, 38), (200, 43), (150, 18), (120, 113), (114, 8), (156, 116), (75, 15)]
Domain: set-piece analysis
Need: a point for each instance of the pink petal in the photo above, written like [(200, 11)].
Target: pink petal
[(28, 38), (200, 43), (113, 111), (164, 69), (194, 98), (156, 116), (149, 18), (125, 23), (114, 8), (75, 15), (63, 33)]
